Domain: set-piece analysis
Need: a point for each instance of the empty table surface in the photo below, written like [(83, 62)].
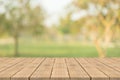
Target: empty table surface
[(59, 68)]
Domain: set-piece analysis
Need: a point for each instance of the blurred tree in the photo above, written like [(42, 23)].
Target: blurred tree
[(22, 18), (65, 24), (107, 18), (104, 20), (37, 20), (2, 20), (68, 26)]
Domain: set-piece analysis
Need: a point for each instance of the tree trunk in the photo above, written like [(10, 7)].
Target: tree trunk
[(101, 52), (107, 37), (16, 45)]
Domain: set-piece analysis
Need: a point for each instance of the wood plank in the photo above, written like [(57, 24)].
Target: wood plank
[(26, 72), (60, 71), (93, 72), (9, 63), (114, 61), (44, 71), (76, 72), (3, 60), (113, 74), (118, 59), (6, 74), (113, 64)]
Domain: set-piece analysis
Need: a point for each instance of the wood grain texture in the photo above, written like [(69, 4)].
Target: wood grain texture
[(8, 73), (44, 71), (28, 70), (59, 68), (109, 71), (93, 72), (76, 71), (10, 62), (60, 71)]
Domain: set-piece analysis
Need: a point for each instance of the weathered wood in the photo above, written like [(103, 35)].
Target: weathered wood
[(111, 63), (27, 71), (93, 72), (59, 68), (113, 74), (6, 74), (59, 71), (76, 72), (44, 71), (8, 63)]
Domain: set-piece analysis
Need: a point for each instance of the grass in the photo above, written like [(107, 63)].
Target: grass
[(55, 50)]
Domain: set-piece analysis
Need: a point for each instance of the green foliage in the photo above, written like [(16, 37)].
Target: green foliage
[(22, 18)]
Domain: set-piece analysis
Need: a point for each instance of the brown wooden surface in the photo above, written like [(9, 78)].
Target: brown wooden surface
[(59, 68)]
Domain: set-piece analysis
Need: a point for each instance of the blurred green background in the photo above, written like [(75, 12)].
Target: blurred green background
[(28, 48), (73, 28)]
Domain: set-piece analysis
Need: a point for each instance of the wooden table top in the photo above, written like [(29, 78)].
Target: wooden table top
[(59, 68)]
